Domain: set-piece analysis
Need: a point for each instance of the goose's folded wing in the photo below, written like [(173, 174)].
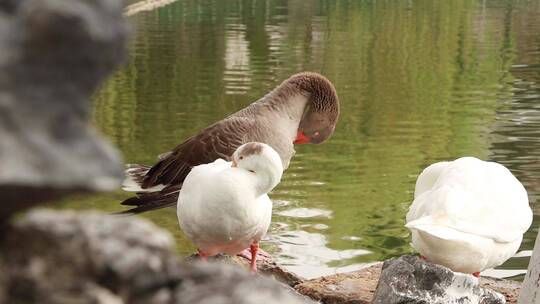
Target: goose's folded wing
[(429, 177), (451, 229), (219, 140)]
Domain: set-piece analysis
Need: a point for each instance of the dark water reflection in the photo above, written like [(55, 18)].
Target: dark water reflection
[(419, 81)]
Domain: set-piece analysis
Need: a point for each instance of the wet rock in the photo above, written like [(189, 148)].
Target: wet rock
[(359, 286), (355, 287), (408, 279), (53, 55), (530, 292), (508, 288), (69, 257)]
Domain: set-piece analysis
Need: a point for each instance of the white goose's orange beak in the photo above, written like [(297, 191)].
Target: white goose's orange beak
[(234, 164)]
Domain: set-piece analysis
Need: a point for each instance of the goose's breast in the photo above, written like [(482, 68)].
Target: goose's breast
[(279, 133), (221, 213)]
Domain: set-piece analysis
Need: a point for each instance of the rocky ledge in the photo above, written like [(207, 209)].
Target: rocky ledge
[(70, 257), (360, 286), (422, 280)]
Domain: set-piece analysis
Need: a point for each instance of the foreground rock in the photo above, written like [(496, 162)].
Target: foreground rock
[(65, 257), (53, 55), (204, 283), (408, 279), (69, 257), (265, 265)]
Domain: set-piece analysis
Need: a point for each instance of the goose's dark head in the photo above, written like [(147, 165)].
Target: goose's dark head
[(322, 110)]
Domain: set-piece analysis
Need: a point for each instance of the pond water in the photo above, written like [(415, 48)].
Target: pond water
[(419, 82)]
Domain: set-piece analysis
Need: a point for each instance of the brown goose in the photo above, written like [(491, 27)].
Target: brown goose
[(302, 109)]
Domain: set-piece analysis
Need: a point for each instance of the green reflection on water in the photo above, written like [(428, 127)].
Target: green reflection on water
[(419, 81)]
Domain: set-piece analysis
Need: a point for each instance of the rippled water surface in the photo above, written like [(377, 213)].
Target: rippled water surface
[(419, 82)]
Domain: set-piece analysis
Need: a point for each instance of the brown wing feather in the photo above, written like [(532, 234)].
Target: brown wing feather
[(219, 140), (146, 201)]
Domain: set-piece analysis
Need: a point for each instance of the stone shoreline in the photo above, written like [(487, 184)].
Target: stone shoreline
[(96, 258), (356, 287)]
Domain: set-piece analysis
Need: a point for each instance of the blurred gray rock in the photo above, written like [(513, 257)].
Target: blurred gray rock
[(408, 279), (204, 283), (53, 55), (66, 257), (266, 266), (61, 257)]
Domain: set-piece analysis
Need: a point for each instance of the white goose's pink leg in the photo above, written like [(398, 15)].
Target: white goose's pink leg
[(203, 256), (254, 248), (246, 254)]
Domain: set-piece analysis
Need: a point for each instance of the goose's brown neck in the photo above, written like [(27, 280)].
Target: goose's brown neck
[(321, 109), (313, 89)]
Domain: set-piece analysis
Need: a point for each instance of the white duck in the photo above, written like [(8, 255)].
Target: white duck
[(223, 207), (468, 214)]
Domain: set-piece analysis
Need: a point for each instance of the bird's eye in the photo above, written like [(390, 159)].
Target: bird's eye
[(251, 171), (241, 157)]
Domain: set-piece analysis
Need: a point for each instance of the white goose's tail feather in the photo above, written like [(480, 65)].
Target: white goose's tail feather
[(134, 176)]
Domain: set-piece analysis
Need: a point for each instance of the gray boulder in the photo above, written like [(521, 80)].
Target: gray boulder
[(66, 257), (206, 283), (408, 279), (53, 55), (70, 257)]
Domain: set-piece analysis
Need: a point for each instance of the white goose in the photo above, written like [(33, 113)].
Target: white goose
[(223, 207), (468, 214)]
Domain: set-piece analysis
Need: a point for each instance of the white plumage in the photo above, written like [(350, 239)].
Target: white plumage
[(468, 214), (223, 207)]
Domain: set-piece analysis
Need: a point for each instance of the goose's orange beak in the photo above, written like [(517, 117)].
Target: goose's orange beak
[(301, 138)]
